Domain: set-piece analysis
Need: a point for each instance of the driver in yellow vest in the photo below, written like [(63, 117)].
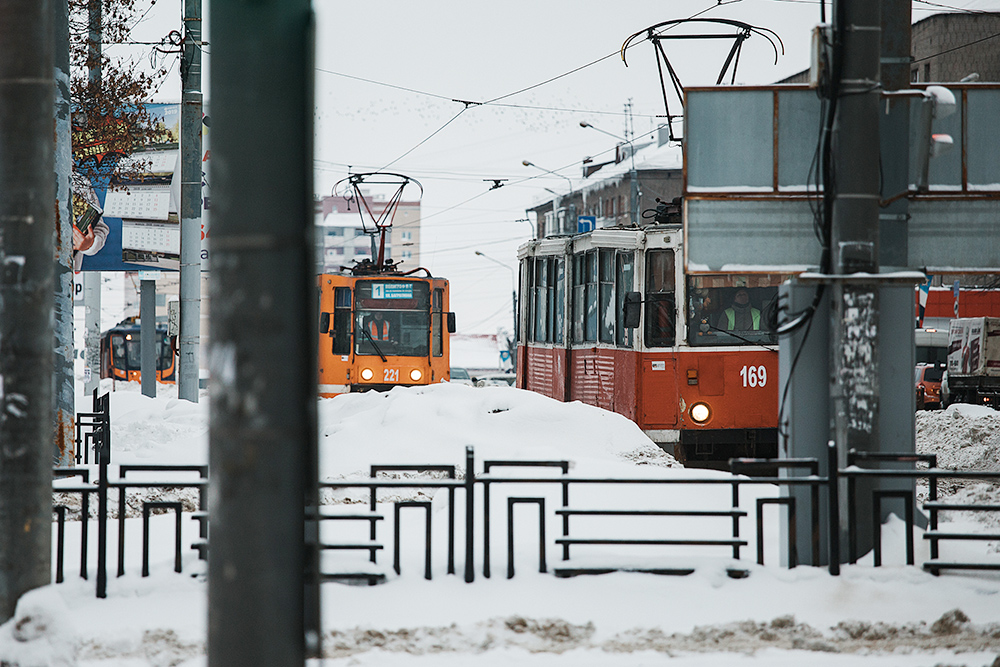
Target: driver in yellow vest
[(740, 316)]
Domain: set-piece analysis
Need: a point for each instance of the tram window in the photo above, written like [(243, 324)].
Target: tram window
[(606, 313), (118, 357), (341, 334), (558, 303), (527, 305), (437, 326), (624, 269), (165, 353), (579, 292), (661, 307), (590, 333), (732, 310), (541, 298), (392, 318)]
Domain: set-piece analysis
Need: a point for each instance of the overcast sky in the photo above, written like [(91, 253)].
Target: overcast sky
[(392, 77)]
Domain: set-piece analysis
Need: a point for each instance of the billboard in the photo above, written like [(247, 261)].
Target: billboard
[(132, 224)]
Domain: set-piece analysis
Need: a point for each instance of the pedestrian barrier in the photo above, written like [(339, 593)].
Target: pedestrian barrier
[(94, 432), (933, 475)]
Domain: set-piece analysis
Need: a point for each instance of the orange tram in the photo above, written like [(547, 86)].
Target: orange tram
[(121, 354), (610, 318), (379, 329)]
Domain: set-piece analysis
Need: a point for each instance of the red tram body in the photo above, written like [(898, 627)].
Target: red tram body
[(609, 318)]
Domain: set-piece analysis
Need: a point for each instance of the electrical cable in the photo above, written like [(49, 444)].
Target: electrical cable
[(957, 48), (490, 103), (425, 140)]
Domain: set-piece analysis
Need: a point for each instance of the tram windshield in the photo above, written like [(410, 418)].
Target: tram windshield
[(126, 351), (733, 310), (392, 318)]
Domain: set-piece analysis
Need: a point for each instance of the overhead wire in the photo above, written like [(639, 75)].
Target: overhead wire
[(957, 48)]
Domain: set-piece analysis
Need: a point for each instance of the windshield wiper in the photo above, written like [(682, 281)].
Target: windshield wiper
[(374, 344), (745, 340)]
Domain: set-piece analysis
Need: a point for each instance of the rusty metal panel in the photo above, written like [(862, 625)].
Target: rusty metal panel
[(950, 234), (729, 138), (753, 235), (984, 139), (945, 171), (798, 134)]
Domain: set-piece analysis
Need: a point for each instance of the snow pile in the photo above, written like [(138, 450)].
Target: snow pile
[(41, 634), (966, 437), (434, 424)]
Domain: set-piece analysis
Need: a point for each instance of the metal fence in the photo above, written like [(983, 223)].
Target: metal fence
[(557, 500)]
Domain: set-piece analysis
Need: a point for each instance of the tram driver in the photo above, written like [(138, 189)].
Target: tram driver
[(379, 328), (740, 316)]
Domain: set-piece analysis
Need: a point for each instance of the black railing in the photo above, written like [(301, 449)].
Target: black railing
[(98, 438), (791, 473), (933, 506)]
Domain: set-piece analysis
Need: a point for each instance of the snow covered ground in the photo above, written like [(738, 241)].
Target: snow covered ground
[(889, 616)]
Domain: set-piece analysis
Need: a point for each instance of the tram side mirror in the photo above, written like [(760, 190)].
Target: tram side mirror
[(632, 309), (451, 322), (324, 323)]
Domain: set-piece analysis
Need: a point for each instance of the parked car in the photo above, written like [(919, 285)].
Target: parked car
[(927, 384), (461, 376), (498, 379)]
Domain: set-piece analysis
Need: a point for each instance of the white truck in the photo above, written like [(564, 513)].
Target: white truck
[(973, 372)]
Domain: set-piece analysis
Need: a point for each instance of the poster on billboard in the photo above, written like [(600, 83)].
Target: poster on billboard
[(132, 223)]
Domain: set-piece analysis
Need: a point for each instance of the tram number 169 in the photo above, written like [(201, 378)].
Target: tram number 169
[(754, 376)]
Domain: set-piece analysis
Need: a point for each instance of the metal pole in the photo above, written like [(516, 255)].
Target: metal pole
[(190, 255), (854, 229), (92, 329), (27, 218), (63, 378), (263, 609), (147, 336), (92, 279)]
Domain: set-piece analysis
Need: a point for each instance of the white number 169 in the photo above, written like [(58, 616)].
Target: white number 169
[(754, 376)]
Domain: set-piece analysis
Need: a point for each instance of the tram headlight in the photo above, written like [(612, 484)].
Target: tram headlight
[(700, 413), (415, 375), (367, 374)]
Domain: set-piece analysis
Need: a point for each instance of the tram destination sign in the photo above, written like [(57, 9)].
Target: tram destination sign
[(751, 195), (392, 290)]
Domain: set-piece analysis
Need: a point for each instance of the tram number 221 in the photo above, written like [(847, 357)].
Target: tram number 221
[(754, 376)]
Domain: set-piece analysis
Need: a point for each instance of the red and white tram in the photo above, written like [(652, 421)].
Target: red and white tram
[(609, 318)]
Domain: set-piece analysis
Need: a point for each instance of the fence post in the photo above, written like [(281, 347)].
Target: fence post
[(834, 510), (102, 454), (470, 483)]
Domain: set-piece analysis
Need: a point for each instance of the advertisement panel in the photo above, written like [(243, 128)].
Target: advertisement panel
[(132, 224)]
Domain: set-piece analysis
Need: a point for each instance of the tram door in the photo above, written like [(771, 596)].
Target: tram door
[(659, 363)]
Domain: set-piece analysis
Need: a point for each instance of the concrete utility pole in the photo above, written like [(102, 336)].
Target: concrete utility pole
[(190, 287), (895, 134), (64, 383), (854, 309), (263, 590), (27, 218)]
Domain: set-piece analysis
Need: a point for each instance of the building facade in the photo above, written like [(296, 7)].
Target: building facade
[(949, 47), (343, 236), (651, 170)]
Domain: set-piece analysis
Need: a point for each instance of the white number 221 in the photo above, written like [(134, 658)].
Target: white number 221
[(754, 376)]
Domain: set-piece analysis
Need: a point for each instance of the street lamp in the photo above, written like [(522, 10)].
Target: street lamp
[(633, 178), (555, 202), (513, 297)]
